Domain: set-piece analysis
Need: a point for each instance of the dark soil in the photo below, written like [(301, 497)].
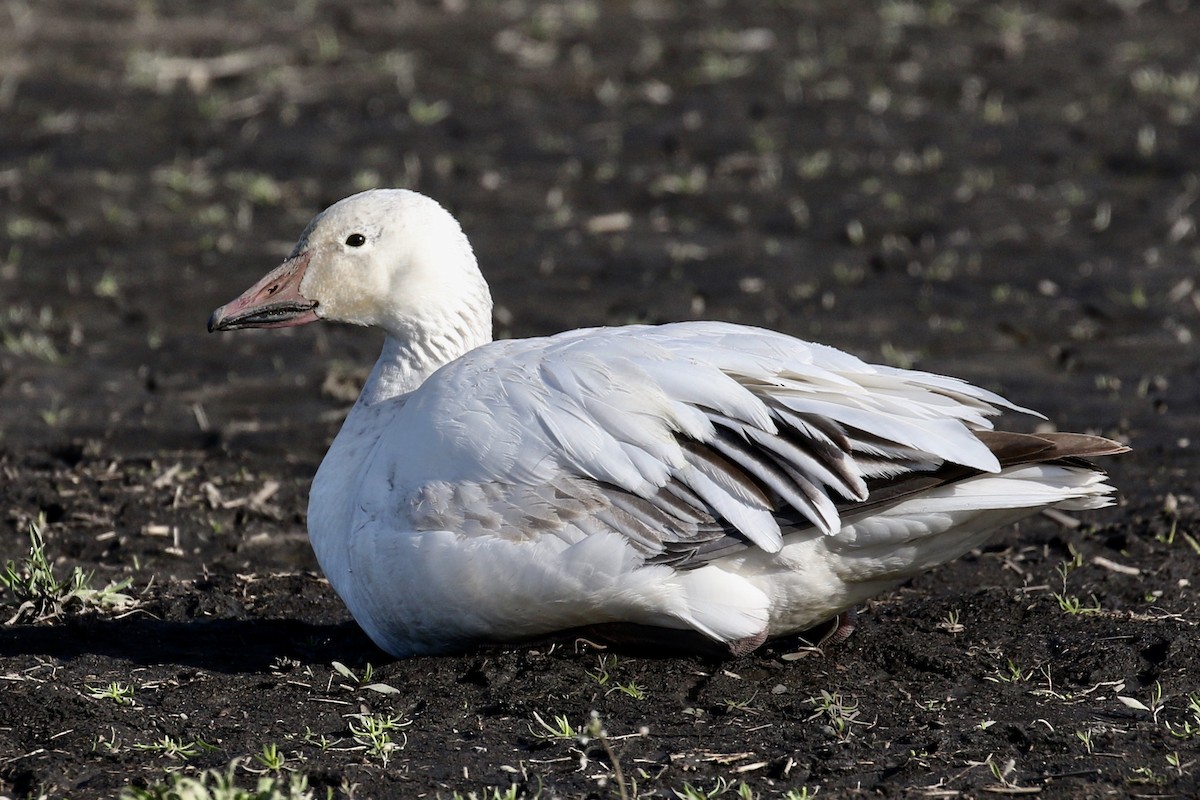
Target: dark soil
[(1001, 191)]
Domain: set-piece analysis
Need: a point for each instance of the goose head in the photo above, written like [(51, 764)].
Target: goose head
[(388, 258)]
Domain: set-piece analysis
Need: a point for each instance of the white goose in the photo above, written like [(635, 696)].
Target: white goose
[(697, 476)]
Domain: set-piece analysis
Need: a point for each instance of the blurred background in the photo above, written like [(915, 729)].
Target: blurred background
[(1004, 191)]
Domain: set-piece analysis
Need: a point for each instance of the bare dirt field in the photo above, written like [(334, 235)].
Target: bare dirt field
[(1002, 191)]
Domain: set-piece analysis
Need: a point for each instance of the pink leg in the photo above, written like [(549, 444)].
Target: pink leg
[(844, 625)]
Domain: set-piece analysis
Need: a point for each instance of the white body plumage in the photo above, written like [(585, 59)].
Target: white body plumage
[(698, 476)]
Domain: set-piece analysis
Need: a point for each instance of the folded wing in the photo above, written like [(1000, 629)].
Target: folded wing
[(689, 440)]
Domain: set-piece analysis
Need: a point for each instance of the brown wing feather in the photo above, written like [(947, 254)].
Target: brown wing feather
[(1011, 449), (1027, 448)]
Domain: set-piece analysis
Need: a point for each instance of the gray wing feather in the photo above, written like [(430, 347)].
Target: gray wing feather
[(689, 440)]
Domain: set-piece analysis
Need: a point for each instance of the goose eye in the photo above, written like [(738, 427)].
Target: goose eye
[(356, 240)]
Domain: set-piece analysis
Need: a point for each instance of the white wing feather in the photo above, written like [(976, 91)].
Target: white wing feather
[(716, 414)]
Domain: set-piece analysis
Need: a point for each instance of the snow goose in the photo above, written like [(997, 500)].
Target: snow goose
[(704, 477)]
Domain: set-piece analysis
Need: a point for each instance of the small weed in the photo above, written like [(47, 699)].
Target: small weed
[(56, 415), (742, 706), (346, 672), (283, 664), (604, 666), (631, 689), (1074, 606), (322, 742), (561, 729), (428, 113), (1002, 772), (1168, 538), (108, 286), (1050, 691), (176, 748), (1011, 674), (692, 182), (896, 357), (374, 732), (741, 790), (513, 792), (1145, 775), (1065, 568), (1069, 602), (40, 595), (365, 681), (1157, 702), (1189, 728), (30, 344), (950, 623), (223, 785), (802, 793), (259, 188), (108, 744), (841, 714), (116, 691), (26, 332), (271, 758)]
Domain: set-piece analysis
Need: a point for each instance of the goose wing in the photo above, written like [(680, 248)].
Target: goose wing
[(688, 440)]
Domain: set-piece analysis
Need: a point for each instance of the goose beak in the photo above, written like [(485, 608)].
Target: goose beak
[(273, 302)]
